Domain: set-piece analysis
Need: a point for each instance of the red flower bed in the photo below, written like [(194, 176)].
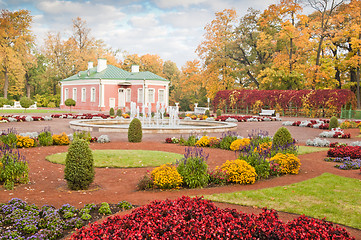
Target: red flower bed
[(341, 151), (240, 118), (196, 218), (81, 116)]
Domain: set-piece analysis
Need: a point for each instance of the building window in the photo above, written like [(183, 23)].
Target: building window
[(128, 95), (140, 95), (151, 95), (92, 95), (75, 94), (161, 97), (83, 94), (66, 94)]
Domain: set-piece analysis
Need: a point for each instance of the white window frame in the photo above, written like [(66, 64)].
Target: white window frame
[(83, 94), (128, 95), (66, 93), (159, 99), (75, 94), (140, 95), (151, 95), (92, 94)]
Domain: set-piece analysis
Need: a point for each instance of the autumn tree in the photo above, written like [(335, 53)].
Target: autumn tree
[(283, 26), (15, 44), (172, 73), (320, 24), (214, 51)]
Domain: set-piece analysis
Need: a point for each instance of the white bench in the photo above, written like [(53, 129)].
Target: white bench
[(265, 112)]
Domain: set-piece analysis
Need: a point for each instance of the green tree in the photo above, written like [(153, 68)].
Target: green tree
[(70, 103), (26, 102)]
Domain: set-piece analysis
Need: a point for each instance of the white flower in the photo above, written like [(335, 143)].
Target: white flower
[(103, 139)]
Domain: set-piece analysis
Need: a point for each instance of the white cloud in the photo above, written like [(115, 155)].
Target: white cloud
[(146, 21), (188, 19), (177, 3)]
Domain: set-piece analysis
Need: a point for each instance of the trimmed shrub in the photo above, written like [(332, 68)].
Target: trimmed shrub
[(219, 112), (207, 113), (333, 122), (135, 133), (111, 112), (282, 138), (288, 163), (166, 177), (239, 171), (26, 102), (193, 168), (70, 103), (79, 165), (119, 112), (45, 138)]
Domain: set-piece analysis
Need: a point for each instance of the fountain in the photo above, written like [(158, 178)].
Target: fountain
[(156, 124)]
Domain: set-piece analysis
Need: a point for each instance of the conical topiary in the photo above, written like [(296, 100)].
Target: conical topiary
[(135, 132), (111, 112), (79, 165), (281, 138), (119, 112), (333, 122), (219, 112)]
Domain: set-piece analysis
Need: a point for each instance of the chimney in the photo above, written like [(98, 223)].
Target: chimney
[(135, 68), (90, 65), (102, 64)]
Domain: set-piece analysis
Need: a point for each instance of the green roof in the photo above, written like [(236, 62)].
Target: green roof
[(112, 72)]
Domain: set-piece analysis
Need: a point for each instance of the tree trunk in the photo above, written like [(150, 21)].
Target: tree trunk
[(338, 77), (358, 88), (6, 84)]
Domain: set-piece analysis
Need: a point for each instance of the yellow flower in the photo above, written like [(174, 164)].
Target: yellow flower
[(239, 144), (239, 171)]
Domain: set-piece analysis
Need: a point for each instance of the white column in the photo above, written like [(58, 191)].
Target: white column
[(61, 94)]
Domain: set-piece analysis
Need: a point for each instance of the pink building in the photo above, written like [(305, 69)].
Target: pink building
[(106, 86)]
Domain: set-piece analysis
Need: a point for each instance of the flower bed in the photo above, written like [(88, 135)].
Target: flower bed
[(319, 124), (246, 118), (197, 218), (342, 151), (23, 118), (335, 133), (346, 163), (19, 220), (87, 116)]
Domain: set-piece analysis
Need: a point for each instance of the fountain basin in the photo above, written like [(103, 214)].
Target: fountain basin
[(116, 125)]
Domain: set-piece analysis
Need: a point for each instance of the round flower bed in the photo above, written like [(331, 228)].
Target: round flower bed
[(196, 218)]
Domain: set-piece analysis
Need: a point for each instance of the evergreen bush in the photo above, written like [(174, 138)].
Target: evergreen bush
[(26, 102), (282, 138), (207, 113), (119, 112), (135, 133), (333, 122), (79, 165), (111, 112), (219, 112)]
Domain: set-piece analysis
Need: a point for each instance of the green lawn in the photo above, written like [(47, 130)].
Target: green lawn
[(124, 158), (328, 196), (6, 111), (309, 149)]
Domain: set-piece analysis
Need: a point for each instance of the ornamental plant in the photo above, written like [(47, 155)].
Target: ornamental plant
[(111, 112), (203, 142), (333, 123), (227, 139), (281, 138), (239, 144), (14, 167), (196, 218), (135, 133), (26, 102), (61, 139), (45, 138), (70, 103), (193, 168), (166, 176), (239, 171), (288, 163), (119, 112), (25, 142), (79, 165), (219, 112), (341, 151)]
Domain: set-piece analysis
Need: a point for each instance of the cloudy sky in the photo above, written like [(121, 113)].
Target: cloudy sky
[(170, 28)]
